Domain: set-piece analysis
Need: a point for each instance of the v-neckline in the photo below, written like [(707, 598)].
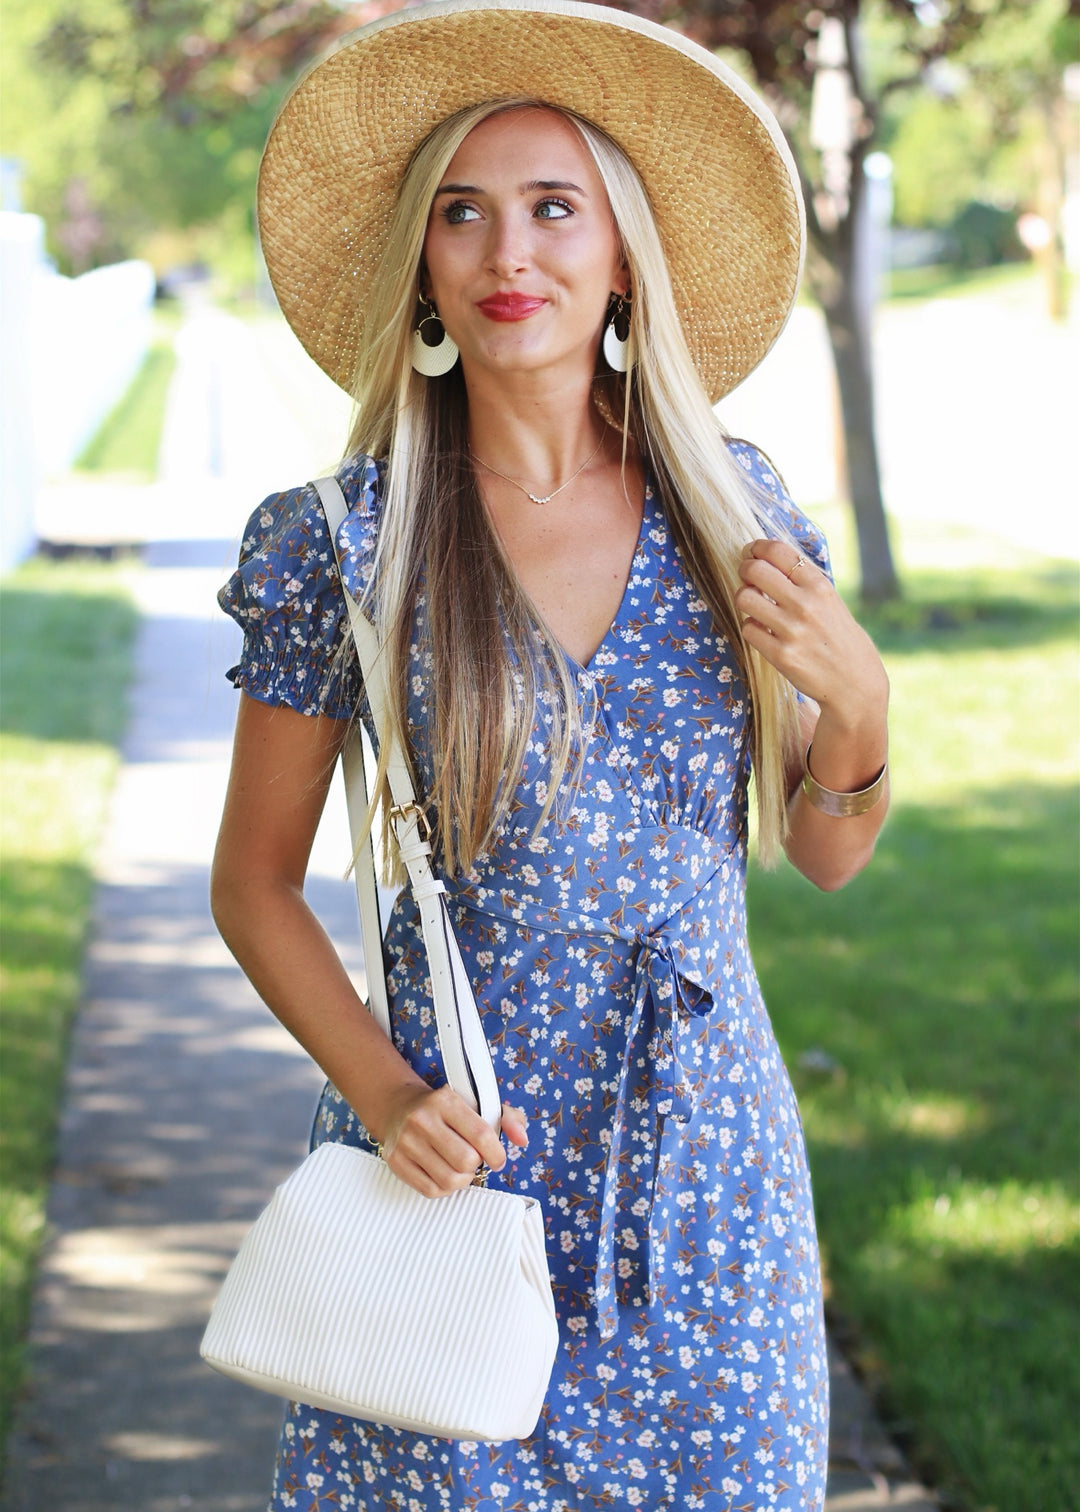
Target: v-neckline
[(639, 549)]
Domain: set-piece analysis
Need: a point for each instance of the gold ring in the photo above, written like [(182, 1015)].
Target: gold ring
[(798, 562)]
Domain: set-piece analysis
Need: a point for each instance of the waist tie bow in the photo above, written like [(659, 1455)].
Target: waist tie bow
[(659, 995), (675, 916)]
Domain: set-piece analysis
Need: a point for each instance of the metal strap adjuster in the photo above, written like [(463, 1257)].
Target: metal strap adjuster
[(403, 812)]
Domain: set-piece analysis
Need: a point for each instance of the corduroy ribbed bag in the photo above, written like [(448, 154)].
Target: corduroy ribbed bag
[(354, 1293)]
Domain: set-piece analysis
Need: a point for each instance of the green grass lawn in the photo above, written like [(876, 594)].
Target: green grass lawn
[(942, 987), (66, 634), (126, 444), (940, 280)]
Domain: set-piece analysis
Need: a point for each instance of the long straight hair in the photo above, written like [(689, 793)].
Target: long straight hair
[(492, 652)]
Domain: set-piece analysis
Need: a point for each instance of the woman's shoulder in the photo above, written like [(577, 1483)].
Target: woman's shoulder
[(361, 478), (777, 511), (286, 591), (756, 464), (289, 528), (286, 551)]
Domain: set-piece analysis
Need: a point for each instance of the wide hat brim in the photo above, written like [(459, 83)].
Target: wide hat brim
[(718, 171)]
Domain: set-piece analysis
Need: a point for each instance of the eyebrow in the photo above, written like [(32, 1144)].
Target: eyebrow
[(547, 185)]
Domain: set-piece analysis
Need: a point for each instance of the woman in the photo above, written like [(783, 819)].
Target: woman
[(596, 612)]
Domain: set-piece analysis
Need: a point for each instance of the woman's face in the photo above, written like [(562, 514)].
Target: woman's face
[(521, 253)]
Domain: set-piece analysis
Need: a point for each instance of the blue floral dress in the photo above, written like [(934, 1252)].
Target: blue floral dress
[(610, 961)]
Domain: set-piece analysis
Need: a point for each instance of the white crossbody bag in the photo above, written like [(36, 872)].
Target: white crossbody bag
[(354, 1293)]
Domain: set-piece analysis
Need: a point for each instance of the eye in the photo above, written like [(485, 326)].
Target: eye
[(458, 213), (553, 209)]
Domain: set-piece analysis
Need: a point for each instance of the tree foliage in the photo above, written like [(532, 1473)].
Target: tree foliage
[(900, 53), (191, 60), (978, 131), (129, 116)]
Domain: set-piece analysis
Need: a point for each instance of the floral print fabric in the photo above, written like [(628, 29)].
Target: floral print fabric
[(610, 961)]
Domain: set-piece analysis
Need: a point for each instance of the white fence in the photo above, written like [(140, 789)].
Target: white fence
[(69, 347)]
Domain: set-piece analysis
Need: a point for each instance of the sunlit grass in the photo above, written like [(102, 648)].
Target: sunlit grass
[(941, 280), (65, 643), (929, 1013), (129, 438), (1010, 1219)]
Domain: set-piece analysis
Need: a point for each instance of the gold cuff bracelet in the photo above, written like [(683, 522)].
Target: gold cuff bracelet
[(841, 805)]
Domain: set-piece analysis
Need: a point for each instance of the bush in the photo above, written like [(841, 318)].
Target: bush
[(983, 235)]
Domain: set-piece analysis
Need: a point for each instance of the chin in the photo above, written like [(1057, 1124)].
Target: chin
[(529, 359)]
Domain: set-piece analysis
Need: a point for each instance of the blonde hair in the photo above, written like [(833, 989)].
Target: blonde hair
[(492, 651)]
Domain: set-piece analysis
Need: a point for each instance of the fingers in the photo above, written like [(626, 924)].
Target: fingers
[(427, 1182), (515, 1126), (780, 554), (770, 565), (788, 614), (778, 583), (446, 1139), (438, 1142), (793, 616)]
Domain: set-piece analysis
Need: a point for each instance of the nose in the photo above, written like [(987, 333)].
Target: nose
[(506, 254)]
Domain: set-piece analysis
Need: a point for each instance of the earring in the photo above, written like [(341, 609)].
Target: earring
[(617, 336), (434, 351)]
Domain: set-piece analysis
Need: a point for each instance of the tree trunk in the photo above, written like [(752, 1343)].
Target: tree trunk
[(1053, 186), (850, 348), (847, 321)]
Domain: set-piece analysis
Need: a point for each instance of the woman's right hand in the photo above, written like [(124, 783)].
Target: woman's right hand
[(435, 1142)]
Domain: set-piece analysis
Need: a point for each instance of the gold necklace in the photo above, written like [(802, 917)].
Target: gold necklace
[(547, 497)]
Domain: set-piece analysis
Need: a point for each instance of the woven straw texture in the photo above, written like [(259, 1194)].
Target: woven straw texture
[(712, 158), (347, 1265)]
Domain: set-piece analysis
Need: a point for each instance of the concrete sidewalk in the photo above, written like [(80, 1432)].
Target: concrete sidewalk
[(186, 1103)]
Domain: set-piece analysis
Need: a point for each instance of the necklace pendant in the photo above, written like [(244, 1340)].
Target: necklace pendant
[(547, 498)]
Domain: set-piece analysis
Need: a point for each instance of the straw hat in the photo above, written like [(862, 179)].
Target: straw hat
[(718, 171)]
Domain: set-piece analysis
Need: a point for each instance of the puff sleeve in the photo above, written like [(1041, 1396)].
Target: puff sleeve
[(286, 596), (779, 516)]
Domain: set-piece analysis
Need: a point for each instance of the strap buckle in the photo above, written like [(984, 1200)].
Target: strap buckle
[(403, 812)]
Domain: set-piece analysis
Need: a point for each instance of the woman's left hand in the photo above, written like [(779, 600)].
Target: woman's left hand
[(793, 615)]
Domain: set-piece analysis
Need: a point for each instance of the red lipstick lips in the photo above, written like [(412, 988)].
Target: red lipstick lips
[(509, 306)]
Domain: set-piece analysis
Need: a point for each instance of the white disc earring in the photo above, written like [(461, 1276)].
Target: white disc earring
[(617, 338), (434, 350)]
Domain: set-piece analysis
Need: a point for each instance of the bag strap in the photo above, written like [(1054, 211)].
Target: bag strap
[(462, 1043)]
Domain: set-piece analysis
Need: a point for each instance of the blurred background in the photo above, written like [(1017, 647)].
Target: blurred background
[(922, 404)]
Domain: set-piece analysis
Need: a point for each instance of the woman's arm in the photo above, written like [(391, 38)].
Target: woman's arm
[(281, 770), (801, 625)]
